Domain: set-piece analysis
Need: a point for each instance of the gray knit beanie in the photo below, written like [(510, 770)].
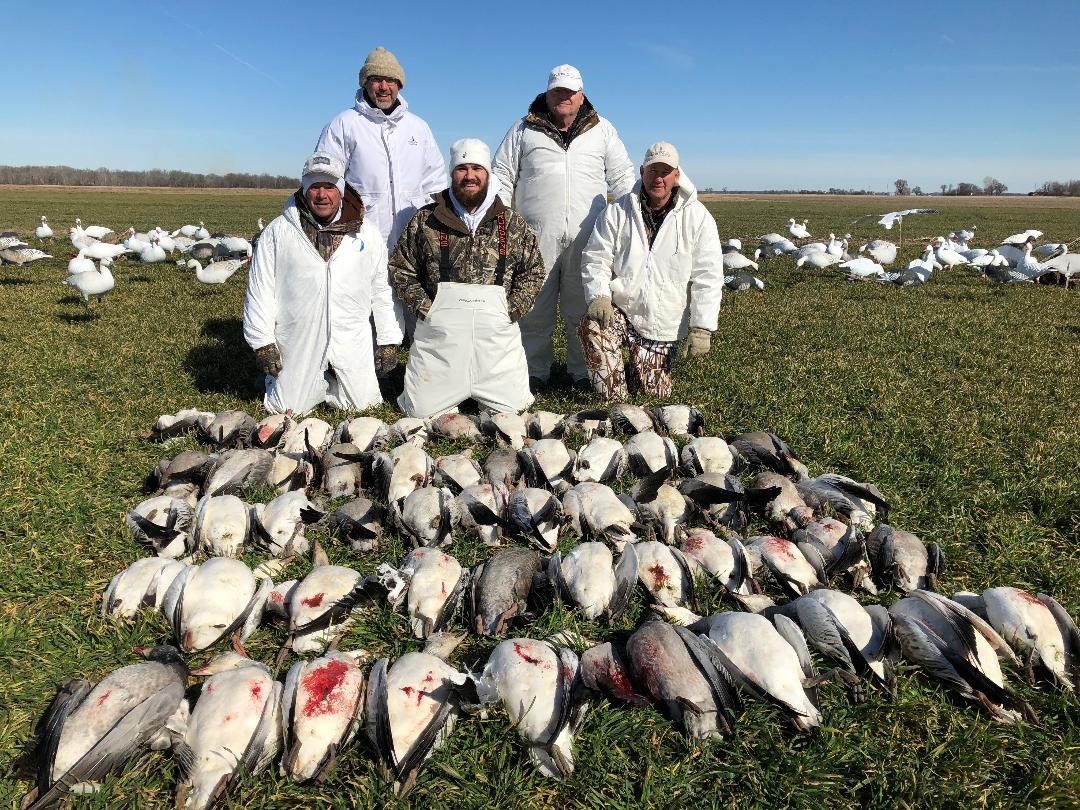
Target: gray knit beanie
[(381, 62)]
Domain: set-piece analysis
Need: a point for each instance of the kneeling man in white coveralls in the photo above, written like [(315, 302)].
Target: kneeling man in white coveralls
[(650, 251), (467, 267), (318, 274)]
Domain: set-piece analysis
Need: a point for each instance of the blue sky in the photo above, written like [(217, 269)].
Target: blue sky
[(754, 95)]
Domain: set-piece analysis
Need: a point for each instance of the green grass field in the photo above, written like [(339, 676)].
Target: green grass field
[(958, 398)]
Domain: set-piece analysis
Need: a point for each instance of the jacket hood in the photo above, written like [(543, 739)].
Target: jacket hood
[(374, 113)]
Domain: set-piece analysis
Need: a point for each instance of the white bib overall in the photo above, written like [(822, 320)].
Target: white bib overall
[(466, 347)]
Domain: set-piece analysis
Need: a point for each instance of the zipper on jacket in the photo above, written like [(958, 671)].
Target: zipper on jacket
[(386, 130)]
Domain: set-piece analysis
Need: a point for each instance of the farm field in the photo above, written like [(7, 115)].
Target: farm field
[(960, 399)]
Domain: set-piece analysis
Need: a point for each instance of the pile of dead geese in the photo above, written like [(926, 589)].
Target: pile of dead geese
[(687, 515)]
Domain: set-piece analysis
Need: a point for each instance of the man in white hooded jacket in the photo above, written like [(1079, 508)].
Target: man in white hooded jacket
[(556, 166), (389, 153), (645, 250), (318, 276)]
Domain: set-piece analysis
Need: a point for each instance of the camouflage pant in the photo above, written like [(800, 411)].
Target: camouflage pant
[(648, 370)]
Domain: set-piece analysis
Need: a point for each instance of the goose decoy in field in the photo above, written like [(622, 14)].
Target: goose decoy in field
[(235, 726), (798, 230), (734, 260), (881, 251), (861, 268), (154, 252), (22, 255), (91, 731), (43, 231), (93, 231), (12, 241), (102, 250), (215, 272), (538, 685), (136, 242), (819, 259), (1022, 238)]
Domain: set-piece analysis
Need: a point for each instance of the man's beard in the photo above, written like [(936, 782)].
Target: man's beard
[(471, 199)]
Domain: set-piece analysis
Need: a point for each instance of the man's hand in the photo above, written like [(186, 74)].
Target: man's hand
[(698, 342), (600, 310), (385, 360), (268, 359)]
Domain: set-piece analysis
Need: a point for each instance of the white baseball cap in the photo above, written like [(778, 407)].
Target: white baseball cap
[(661, 152), (323, 168), (566, 76)]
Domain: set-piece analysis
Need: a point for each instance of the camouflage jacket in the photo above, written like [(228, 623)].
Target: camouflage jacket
[(415, 271)]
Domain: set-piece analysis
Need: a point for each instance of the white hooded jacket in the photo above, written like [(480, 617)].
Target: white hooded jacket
[(318, 312), (559, 191), (391, 160), (650, 284)]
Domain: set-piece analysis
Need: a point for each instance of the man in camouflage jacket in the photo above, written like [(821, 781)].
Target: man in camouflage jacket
[(465, 247)]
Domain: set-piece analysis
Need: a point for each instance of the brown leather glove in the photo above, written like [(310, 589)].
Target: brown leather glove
[(601, 311), (385, 360), (698, 342), (268, 359)]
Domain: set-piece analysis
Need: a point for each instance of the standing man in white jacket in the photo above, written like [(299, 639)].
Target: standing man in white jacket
[(318, 276), (647, 248), (390, 155), (556, 166)]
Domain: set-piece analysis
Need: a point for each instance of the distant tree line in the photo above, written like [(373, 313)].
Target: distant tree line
[(67, 176), (990, 187), (1053, 188), (725, 190)]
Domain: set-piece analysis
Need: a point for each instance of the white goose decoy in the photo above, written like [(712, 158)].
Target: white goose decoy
[(798, 230), (135, 242), (80, 264), (154, 252), (837, 247), (102, 250), (164, 239), (215, 272), (966, 236), (947, 256), (734, 260), (1018, 239), (93, 231), (818, 259), (43, 230), (191, 231), (93, 282), (862, 267), (881, 251), (893, 217)]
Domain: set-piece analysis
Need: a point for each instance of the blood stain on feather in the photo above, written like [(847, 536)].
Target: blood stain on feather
[(659, 574), (520, 650), (420, 694), (104, 697), (312, 601), (323, 685), (256, 689)]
